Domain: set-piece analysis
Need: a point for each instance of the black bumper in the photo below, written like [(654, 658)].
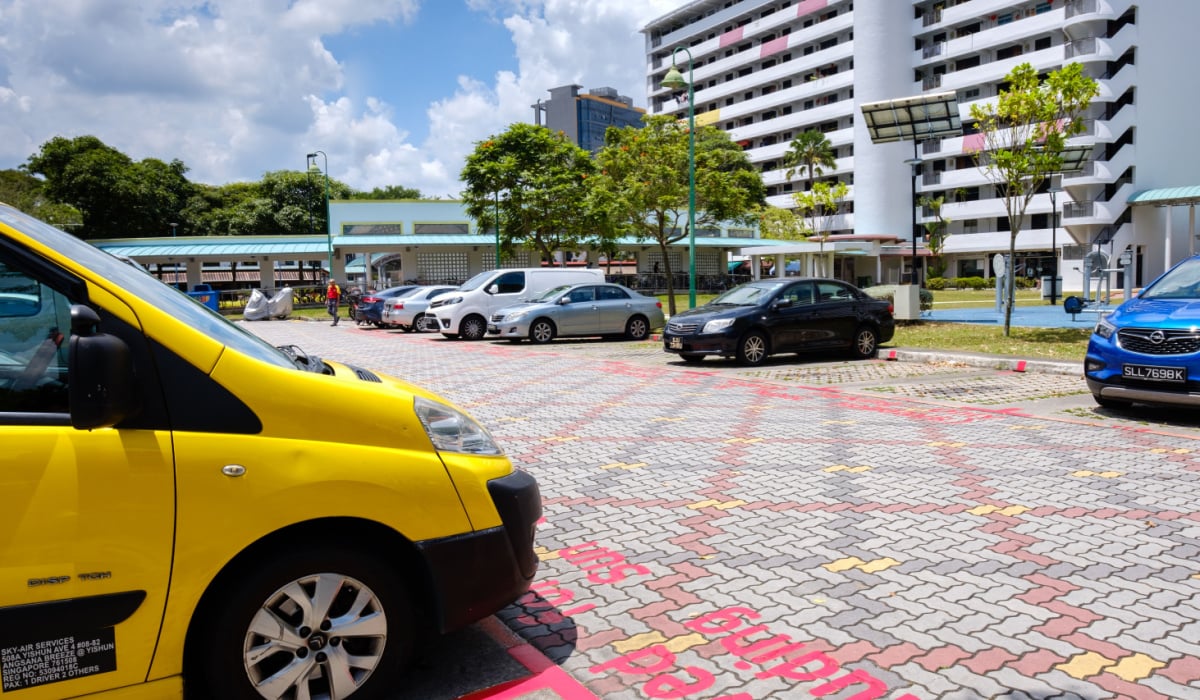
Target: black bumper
[(475, 574)]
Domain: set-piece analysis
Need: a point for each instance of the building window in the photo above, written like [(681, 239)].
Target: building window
[(442, 228)]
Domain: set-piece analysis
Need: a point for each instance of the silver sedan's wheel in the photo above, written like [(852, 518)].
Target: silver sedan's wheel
[(314, 624), (542, 331), (638, 328)]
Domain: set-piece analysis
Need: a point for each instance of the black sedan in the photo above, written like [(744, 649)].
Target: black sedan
[(767, 317), (370, 306)]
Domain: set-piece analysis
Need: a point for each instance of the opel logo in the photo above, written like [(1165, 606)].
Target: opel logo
[(1158, 337)]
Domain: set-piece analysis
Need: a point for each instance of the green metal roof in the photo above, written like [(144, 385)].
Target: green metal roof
[(213, 246), (1167, 196)]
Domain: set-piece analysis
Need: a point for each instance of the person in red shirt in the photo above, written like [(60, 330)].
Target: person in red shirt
[(333, 296)]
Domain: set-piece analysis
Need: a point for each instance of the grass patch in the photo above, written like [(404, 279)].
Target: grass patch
[(1068, 344)]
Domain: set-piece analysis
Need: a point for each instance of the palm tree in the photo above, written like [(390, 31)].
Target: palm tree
[(809, 152)]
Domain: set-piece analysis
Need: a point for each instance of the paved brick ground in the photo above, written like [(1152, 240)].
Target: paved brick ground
[(786, 532)]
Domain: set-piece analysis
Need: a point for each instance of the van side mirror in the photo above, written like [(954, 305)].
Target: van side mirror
[(100, 380)]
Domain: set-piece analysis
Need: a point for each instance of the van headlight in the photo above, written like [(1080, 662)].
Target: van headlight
[(1104, 329), (451, 430)]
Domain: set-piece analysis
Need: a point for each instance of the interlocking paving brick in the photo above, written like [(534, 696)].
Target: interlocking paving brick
[(944, 550)]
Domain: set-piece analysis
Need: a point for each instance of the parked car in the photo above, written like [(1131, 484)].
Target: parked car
[(407, 311), (575, 310), (1148, 349), (370, 306), (755, 320), (185, 503), (465, 311)]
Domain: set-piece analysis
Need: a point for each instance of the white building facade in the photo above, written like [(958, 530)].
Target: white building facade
[(767, 70)]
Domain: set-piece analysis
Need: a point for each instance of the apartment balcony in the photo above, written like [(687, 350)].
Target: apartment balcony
[(795, 70), (1092, 48), (991, 71), (794, 121), (1098, 212), (794, 97), (798, 65), (1079, 12), (993, 37), (778, 176)]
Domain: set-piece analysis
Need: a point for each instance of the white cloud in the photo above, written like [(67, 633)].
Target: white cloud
[(235, 88)]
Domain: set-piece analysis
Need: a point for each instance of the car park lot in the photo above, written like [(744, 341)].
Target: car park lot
[(930, 526)]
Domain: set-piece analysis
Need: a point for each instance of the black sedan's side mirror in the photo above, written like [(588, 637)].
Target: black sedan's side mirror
[(781, 304)]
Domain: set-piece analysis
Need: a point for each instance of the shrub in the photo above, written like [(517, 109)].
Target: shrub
[(936, 284), (971, 283)]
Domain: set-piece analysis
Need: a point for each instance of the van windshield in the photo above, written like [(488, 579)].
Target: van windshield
[(148, 288), (477, 281)]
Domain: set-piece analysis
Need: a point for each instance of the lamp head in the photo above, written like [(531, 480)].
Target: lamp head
[(673, 80), (310, 156)]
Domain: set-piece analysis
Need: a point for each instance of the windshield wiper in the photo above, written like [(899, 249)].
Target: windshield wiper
[(302, 360)]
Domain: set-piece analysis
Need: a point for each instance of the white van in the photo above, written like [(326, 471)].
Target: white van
[(465, 311)]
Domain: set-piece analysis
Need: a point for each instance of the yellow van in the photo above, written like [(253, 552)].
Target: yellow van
[(184, 505)]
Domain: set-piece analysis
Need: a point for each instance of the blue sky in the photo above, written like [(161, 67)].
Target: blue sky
[(394, 91)]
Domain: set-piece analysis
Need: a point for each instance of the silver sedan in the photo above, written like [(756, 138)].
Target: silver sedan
[(579, 310), (407, 310)]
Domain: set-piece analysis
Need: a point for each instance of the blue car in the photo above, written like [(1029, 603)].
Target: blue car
[(1148, 349)]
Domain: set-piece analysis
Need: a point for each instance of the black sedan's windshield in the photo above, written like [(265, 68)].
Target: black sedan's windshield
[(750, 294)]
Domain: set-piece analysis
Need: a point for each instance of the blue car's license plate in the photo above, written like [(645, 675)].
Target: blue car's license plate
[(1149, 373)]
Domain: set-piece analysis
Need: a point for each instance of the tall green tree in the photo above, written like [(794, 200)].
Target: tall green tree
[(781, 224), (24, 191), (537, 180), (811, 153), (643, 183), (389, 192), (820, 205), (1024, 133), (115, 196)]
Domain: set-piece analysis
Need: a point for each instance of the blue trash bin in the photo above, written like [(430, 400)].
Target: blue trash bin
[(206, 295)]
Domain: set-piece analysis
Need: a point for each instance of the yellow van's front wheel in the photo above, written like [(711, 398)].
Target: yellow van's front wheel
[(320, 623)]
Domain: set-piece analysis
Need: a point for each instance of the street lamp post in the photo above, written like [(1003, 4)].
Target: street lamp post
[(915, 164), (1054, 189), (328, 224), (674, 81), (497, 229)]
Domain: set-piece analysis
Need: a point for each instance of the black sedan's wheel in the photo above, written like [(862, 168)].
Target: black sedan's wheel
[(637, 328), (542, 331), (319, 622), (472, 327), (752, 348), (691, 357), (866, 343)]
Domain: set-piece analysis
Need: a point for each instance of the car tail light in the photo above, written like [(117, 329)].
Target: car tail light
[(659, 304), (370, 300), (398, 305), (891, 308)]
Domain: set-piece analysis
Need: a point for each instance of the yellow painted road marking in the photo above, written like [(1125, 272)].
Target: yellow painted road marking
[(623, 465), (844, 468), (843, 564), (1135, 668), (1084, 473), (1085, 665), (639, 641)]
